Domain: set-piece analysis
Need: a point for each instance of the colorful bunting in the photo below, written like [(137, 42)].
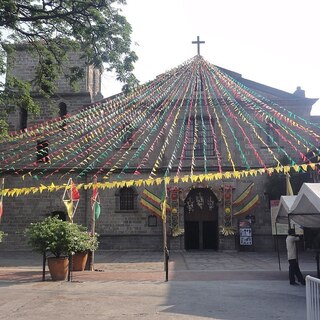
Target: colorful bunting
[(175, 120)]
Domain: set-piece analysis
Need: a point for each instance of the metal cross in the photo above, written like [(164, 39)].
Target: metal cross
[(198, 42)]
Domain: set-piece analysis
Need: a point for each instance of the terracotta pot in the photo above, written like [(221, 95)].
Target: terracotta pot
[(58, 268), (79, 261)]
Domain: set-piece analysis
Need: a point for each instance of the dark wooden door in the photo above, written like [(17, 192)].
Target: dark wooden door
[(210, 235), (192, 235), (201, 220)]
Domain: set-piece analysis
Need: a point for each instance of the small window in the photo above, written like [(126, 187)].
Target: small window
[(43, 151), (62, 110), (127, 198), (23, 119), (62, 114)]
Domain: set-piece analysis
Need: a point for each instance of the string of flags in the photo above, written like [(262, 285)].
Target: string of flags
[(176, 180), (109, 137)]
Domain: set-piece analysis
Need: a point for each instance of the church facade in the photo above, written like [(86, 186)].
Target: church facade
[(201, 137)]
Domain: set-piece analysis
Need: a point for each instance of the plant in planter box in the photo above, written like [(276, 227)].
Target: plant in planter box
[(60, 238)]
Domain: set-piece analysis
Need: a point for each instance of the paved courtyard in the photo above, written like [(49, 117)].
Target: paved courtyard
[(131, 285)]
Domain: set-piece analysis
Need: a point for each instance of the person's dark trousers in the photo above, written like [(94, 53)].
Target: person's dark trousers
[(294, 270)]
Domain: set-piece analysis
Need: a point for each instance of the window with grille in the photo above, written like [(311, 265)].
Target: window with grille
[(127, 198), (62, 114), (204, 134)]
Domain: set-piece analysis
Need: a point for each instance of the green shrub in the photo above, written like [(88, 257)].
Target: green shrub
[(61, 238)]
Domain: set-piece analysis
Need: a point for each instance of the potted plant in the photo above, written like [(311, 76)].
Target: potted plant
[(60, 238), (84, 243)]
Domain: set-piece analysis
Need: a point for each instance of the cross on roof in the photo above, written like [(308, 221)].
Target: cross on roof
[(198, 42)]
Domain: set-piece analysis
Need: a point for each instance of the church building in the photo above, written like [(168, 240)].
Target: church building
[(186, 155)]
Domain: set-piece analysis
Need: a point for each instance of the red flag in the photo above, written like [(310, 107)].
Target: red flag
[(94, 194), (75, 195)]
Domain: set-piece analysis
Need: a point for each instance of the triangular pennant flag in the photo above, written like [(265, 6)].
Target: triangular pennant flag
[(69, 206), (75, 195)]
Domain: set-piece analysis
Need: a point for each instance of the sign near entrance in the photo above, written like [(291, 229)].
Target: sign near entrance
[(245, 233)]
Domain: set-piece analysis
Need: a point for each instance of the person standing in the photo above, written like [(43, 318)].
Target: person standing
[(294, 270)]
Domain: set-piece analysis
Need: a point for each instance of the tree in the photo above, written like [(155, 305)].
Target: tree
[(51, 28)]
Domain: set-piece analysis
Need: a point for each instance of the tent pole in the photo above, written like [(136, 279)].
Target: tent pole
[(277, 243), (289, 223)]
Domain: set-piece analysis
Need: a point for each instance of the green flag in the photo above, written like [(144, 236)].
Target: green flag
[(97, 209)]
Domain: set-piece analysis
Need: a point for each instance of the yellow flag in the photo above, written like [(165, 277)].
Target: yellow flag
[(288, 185), (69, 206)]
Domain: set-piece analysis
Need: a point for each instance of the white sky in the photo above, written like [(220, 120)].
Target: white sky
[(273, 42)]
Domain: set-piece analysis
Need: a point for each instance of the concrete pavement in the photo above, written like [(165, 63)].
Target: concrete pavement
[(130, 285)]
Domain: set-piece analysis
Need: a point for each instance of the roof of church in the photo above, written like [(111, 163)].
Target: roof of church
[(126, 135)]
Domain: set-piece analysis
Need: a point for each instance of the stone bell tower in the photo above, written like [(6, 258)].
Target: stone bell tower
[(22, 64)]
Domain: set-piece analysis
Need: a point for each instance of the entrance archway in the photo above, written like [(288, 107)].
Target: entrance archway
[(201, 220)]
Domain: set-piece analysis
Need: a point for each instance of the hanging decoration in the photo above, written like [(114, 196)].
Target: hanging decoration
[(248, 207), (15, 192), (70, 198), (152, 202), (174, 224), (244, 195), (196, 122), (95, 200), (226, 228)]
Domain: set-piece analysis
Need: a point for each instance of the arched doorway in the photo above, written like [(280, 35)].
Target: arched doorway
[(201, 220)]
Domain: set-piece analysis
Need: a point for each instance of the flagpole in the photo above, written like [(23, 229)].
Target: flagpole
[(164, 226), (93, 224)]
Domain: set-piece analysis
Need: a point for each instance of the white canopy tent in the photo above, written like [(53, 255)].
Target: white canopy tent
[(304, 208)]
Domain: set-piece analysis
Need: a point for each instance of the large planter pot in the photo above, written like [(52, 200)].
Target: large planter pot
[(79, 261), (58, 268)]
